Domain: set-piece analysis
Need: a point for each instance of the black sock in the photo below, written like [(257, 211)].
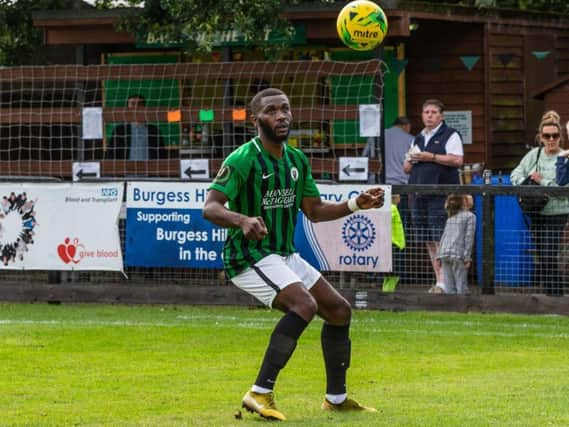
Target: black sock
[(336, 348), (281, 346)]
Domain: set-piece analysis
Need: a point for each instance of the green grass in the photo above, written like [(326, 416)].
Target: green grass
[(97, 365)]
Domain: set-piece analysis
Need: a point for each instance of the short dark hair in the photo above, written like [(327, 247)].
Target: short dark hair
[(136, 95), (256, 101), (436, 103), (401, 121)]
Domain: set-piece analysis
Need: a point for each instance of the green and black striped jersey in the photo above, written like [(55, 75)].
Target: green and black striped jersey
[(259, 184)]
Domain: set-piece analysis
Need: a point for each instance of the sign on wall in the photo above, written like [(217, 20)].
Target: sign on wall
[(52, 226), (462, 122), (353, 168), (194, 169)]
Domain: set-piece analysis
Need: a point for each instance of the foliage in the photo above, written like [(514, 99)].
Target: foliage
[(20, 41), (552, 6), (196, 23), (560, 6), (112, 365), (193, 23)]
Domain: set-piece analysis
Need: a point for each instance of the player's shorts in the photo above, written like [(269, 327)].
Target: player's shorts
[(270, 275)]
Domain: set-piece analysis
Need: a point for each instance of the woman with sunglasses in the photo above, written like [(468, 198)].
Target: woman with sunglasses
[(546, 226)]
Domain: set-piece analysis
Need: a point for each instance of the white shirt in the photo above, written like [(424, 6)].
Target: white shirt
[(454, 143)]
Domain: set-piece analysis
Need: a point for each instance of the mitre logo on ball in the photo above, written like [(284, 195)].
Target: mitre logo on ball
[(361, 25)]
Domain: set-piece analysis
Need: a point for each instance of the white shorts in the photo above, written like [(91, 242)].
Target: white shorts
[(273, 273)]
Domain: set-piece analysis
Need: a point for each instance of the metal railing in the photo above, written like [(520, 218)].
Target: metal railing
[(506, 253)]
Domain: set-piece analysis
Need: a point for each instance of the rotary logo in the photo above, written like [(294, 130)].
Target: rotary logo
[(358, 232)]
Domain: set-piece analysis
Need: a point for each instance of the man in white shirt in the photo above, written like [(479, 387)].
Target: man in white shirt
[(435, 157)]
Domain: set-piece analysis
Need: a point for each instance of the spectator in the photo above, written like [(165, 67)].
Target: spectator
[(135, 140), (546, 226), (398, 141), (265, 183), (390, 281), (548, 115), (455, 250), (434, 158)]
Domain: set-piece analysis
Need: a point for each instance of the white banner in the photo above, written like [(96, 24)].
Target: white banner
[(60, 226), (358, 242)]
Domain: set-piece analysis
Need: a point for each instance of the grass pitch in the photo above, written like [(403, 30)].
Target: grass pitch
[(97, 365)]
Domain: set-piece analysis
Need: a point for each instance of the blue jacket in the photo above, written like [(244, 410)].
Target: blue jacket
[(562, 171)]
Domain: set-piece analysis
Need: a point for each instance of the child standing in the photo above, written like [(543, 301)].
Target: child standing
[(455, 250)]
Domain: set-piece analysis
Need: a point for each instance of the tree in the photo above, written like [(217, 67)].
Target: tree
[(196, 23), (553, 6), (20, 42), (560, 7)]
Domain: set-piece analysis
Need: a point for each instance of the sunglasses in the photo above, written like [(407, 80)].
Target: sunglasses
[(550, 135)]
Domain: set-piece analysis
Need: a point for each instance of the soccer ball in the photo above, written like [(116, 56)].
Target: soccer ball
[(361, 25)]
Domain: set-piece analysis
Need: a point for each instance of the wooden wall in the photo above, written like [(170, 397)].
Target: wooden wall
[(435, 70), (498, 90), (515, 73), (558, 100)]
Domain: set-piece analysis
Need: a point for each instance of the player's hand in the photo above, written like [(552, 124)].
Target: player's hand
[(467, 264), (254, 228), (372, 198)]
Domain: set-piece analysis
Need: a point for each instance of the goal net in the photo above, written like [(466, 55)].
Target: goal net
[(51, 117)]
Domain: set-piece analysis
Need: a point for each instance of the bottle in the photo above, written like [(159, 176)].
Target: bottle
[(198, 134), (316, 138), (185, 137), (487, 176), (205, 133), (467, 174), (476, 171)]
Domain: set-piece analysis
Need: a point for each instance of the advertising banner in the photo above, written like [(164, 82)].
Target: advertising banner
[(358, 242), (165, 228), (60, 226)]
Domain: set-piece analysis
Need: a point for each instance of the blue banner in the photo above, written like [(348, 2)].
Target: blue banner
[(165, 228)]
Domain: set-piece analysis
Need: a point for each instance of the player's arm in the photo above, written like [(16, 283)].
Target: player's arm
[(253, 228), (317, 209)]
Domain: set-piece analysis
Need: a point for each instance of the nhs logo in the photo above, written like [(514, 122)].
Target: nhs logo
[(109, 192)]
